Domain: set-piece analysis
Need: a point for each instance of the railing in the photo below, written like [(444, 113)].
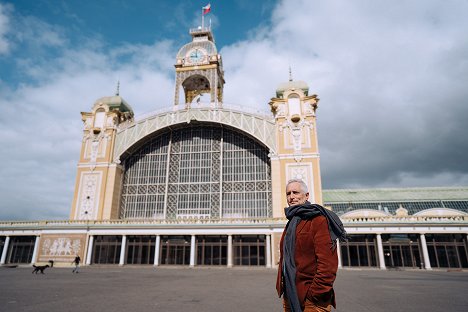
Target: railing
[(200, 29), (119, 222), (244, 221), (407, 219), (211, 105)]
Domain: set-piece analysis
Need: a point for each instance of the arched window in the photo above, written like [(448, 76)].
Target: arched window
[(99, 118), (294, 104), (197, 172)]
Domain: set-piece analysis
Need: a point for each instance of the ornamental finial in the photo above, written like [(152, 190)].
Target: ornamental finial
[(117, 92)]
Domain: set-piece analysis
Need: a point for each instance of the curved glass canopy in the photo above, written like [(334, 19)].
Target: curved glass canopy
[(199, 171)]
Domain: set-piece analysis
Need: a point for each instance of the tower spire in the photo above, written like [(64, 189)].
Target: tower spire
[(290, 74), (117, 92)]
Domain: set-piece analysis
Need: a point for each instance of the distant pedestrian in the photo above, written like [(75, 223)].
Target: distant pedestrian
[(76, 262)]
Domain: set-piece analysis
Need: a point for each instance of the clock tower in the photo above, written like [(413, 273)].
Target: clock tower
[(199, 71)]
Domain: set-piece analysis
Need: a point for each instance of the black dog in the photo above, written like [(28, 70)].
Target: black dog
[(38, 268), (41, 268)]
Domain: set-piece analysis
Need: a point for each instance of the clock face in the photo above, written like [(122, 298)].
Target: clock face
[(196, 56)]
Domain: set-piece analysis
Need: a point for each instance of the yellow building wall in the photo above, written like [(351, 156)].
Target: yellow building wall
[(112, 194), (97, 184)]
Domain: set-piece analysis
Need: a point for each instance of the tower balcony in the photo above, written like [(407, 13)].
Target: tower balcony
[(201, 32)]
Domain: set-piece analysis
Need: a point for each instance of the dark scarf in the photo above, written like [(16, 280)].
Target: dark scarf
[(295, 214)]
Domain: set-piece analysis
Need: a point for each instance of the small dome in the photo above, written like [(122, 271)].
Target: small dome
[(301, 85), (115, 102)]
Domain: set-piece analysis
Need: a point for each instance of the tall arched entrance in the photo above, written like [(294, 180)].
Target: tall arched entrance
[(198, 171)]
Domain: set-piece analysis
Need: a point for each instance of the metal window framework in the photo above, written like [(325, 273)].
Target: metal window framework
[(211, 249), (199, 171), (412, 206)]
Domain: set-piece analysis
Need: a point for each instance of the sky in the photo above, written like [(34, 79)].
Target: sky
[(392, 78)]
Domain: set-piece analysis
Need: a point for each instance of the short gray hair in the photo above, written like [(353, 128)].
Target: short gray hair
[(304, 187)]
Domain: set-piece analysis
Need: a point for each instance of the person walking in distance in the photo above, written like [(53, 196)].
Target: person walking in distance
[(308, 255), (76, 262)]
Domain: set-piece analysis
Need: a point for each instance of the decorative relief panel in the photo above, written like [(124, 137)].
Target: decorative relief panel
[(111, 121), (94, 151), (95, 147), (296, 138), (281, 110), (61, 247), (88, 122), (309, 109), (89, 196), (296, 135)]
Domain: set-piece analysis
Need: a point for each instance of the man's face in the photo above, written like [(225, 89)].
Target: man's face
[(295, 195)]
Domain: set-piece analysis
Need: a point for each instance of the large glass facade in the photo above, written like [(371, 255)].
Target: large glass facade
[(391, 207), (447, 250), (249, 250), (140, 249), (107, 249), (175, 250), (197, 172), (359, 250), (402, 250), (212, 250), (21, 249)]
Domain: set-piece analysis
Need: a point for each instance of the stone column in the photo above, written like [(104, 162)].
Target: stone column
[(123, 250), (192, 251), (380, 251), (229, 252), (5, 250), (338, 251), (268, 251), (157, 247), (36, 247), (427, 262), (90, 250)]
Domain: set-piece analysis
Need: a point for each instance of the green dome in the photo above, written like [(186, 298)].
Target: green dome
[(301, 85), (114, 102)]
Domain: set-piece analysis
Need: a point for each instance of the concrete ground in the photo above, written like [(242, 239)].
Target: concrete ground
[(135, 289)]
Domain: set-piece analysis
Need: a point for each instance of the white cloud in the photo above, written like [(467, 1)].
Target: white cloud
[(40, 34), (40, 128), (390, 76)]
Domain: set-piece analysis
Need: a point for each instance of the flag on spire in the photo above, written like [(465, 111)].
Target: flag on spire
[(206, 9)]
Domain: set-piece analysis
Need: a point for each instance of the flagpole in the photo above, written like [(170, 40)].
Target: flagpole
[(202, 19)]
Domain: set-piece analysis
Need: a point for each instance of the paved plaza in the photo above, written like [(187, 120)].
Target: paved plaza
[(135, 289)]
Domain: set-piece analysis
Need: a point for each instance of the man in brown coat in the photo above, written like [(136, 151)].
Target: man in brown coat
[(308, 256)]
